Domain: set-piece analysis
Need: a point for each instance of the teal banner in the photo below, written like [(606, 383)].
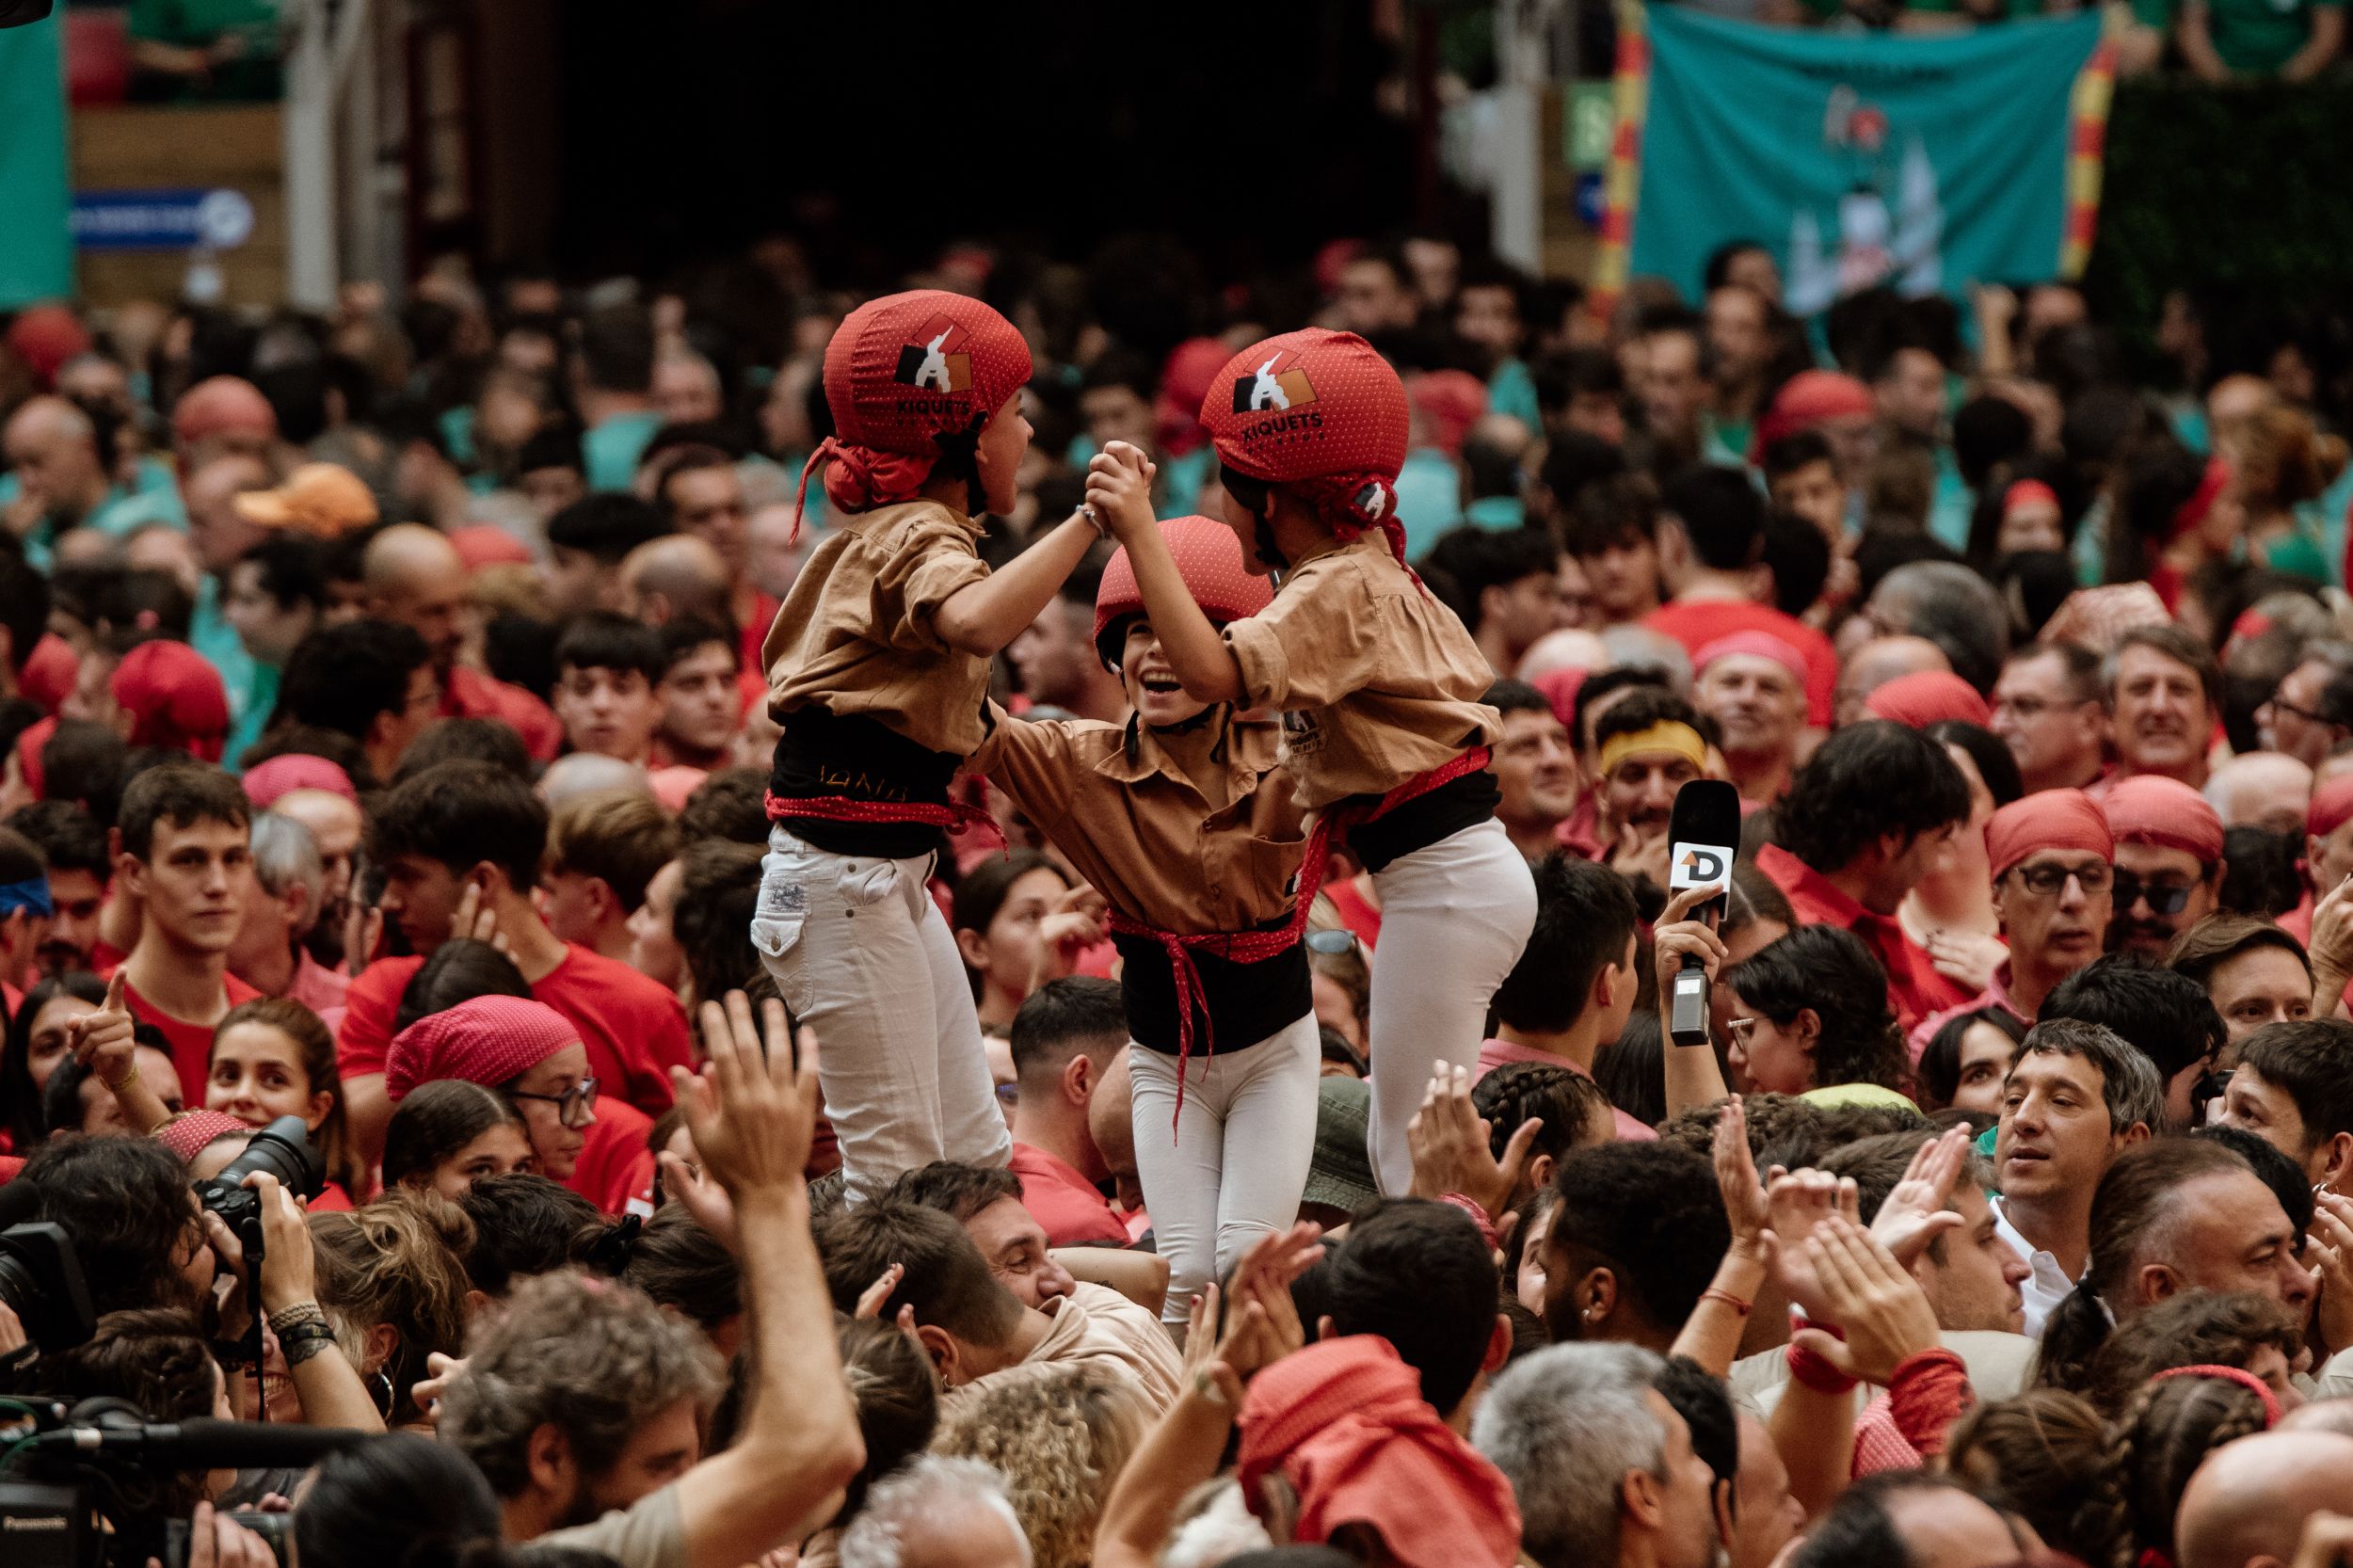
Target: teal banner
[(36, 249), (1925, 163)]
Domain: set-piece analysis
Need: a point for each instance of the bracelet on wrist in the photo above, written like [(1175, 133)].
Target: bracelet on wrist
[(303, 1347), (119, 1084), (298, 1312), (1718, 1293)]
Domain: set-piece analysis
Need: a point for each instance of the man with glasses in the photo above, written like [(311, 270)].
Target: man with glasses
[(2047, 711), (2051, 859), (2311, 712), (2168, 861)]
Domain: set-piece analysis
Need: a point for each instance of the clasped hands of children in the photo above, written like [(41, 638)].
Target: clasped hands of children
[(1120, 489)]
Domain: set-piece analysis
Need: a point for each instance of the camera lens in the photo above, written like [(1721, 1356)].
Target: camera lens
[(284, 1150)]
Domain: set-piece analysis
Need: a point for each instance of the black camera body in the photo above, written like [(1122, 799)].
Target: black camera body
[(284, 1150), (41, 1281)]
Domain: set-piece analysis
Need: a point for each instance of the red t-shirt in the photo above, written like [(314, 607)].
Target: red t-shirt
[(1497, 1053), (615, 1164), (1063, 1201), (1697, 622), (471, 694), (1355, 913), (1915, 987), (191, 1044), (634, 1029)]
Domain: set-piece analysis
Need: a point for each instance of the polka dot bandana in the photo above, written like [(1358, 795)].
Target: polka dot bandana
[(902, 372), (1320, 413), (487, 1040), (1207, 556)]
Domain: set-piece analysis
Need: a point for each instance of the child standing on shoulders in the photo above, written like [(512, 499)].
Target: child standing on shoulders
[(1179, 817), (1385, 735), (877, 669)]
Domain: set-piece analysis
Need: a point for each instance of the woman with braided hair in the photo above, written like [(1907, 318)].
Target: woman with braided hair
[(1386, 733), (2165, 1432), (878, 664), (2044, 1457)]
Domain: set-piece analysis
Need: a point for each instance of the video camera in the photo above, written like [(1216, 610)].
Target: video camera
[(41, 1281), (81, 1491)]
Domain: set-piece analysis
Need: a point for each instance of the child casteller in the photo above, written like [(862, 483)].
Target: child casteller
[(1181, 817), (878, 665), (1386, 735)]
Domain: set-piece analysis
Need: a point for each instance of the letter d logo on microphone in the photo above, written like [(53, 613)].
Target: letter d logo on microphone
[(1697, 866)]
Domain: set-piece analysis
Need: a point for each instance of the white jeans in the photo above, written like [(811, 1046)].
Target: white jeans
[(1238, 1162), (861, 954), (1455, 916)]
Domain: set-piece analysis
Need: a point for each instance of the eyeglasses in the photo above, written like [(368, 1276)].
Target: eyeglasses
[(2281, 705), (2165, 898), (1740, 1030), (2046, 880), (576, 1107)]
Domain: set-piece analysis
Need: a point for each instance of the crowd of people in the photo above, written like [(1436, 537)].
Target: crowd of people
[(814, 883)]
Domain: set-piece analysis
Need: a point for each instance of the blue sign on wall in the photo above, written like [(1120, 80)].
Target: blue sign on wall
[(166, 220)]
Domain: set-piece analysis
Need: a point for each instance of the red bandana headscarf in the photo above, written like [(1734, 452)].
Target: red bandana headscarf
[(487, 1040), (175, 699), (1344, 1422), (901, 373), (1323, 415), (1208, 557)]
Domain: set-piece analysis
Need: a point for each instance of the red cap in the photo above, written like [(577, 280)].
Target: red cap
[(188, 1134), (1450, 403), (220, 403), (2027, 492), (1185, 380), (483, 544), (50, 673), (485, 1040), (1208, 557), (902, 372), (46, 338), (174, 698), (2048, 818), (1809, 398), (1758, 645), (2331, 807), (267, 783), (1559, 688), (29, 746), (2150, 808), (1928, 697), (1320, 413)]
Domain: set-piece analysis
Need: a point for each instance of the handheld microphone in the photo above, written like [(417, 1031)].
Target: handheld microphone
[(1703, 838), (204, 1443)]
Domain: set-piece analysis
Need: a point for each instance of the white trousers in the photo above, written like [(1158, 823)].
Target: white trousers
[(1236, 1162), (861, 954), (1455, 916)]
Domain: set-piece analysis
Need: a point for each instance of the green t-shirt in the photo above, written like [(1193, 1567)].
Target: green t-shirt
[(2259, 36), (611, 449), (252, 77)]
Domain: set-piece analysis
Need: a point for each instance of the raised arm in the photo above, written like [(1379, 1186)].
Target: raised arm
[(102, 1041), (1119, 488), (752, 1121), (1693, 1075), (983, 618)]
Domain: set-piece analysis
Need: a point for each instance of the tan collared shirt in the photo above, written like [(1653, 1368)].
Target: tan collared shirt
[(856, 634), (1377, 681), (1142, 832), (1098, 1325)]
